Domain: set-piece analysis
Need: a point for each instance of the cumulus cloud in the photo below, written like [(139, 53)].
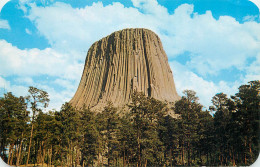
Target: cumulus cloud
[(253, 70), (6, 86), (208, 40), (3, 83), (4, 24), (35, 62), (188, 80), (213, 44), (57, 97), (26, 66)]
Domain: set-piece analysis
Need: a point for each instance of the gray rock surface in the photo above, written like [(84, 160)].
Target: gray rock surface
[(126, 60)]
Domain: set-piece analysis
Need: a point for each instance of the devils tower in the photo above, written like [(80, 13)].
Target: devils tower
[(119, 64)]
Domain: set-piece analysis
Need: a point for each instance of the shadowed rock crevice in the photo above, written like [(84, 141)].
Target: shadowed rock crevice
[(119, 64)]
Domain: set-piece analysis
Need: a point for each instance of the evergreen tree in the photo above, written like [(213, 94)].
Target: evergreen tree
[(188, 108), (70, 128), (127, 140), (247, 118), (145, 113), (222, 117), (90, 137), (144, 136), (37, 99), (169, 135), (205, 145), (109, 129), (13, 126)]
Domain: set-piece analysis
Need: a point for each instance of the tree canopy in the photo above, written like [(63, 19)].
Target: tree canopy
[(225, 134)]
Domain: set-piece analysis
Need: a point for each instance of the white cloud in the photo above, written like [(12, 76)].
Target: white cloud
[(74, 30), (35, 62), (250, 18), (4, 24), (57, 98), (208, 40), (3, 83), (25, 80), (28, 31), (26, 65), (253, 71), (6, 86), (213, 44), (186, 79)]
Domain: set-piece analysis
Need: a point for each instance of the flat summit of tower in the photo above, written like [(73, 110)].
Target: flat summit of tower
[(119, 64)]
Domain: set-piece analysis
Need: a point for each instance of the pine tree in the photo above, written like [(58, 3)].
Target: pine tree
[(90, 137), (37, 99), (70, 127), (188, 108), (127, 140), (13, 126), (145, 113), (169, 135), (247, 115), (109, 129), (222, 117), (204, 146)]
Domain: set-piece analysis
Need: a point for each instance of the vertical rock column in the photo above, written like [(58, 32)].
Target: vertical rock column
[(126, 60)]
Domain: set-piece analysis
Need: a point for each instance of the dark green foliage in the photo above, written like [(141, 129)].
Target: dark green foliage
[(144, 136), (89, 143), (145, 114), (13, 123), (246, 118), (189, 109), (37, 100)]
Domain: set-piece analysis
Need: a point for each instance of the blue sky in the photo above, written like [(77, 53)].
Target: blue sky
[(212, 46)]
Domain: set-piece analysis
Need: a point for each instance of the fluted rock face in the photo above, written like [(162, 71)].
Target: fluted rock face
[(127, 60)]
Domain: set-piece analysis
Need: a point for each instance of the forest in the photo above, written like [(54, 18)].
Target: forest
[(225, 134)]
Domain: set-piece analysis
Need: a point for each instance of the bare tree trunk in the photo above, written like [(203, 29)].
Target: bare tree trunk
[(139, 151), (43, 155), (145, 163), (71, 153), (28, 156), (19, 152), (182, 153), (51, 155), (68, 158), (10, 153), (250, 150), (48, 157), (39, 155), (77, 153)]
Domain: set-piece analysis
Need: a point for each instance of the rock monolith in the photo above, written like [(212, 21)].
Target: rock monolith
[(119, 64)]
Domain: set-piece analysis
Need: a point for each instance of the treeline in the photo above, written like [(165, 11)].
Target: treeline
[(146, 135)]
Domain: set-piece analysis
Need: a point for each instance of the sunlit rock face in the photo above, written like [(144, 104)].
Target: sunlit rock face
[(119, 64)]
